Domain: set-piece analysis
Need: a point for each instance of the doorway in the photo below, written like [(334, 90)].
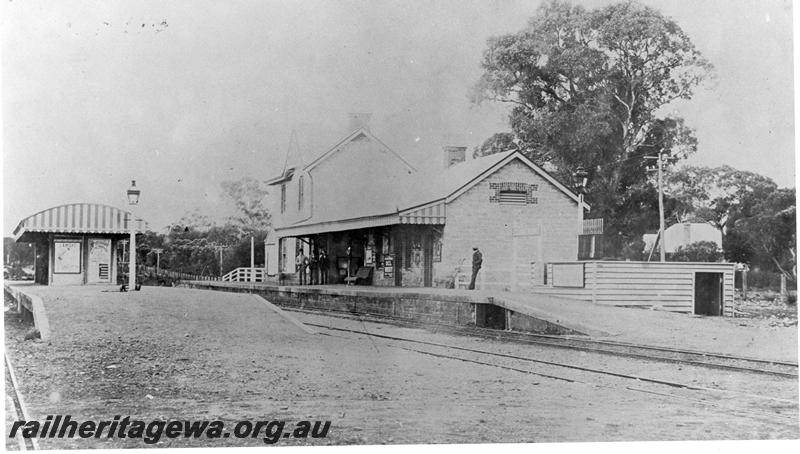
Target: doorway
[(490, 316), (708, 293), (427, 261), (99, 269)]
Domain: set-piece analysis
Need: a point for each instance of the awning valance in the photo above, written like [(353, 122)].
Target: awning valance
[(432, 213)]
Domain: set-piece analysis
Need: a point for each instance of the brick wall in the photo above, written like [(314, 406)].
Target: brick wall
[(545, 231)]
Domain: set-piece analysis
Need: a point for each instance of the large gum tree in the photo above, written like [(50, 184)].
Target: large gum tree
[(586, 89)]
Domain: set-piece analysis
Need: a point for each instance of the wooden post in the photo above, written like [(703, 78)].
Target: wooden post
[(132, 255), (744, 283), (252, 252), (784, 294)]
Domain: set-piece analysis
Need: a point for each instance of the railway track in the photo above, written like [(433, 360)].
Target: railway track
[(556, 371), (630, 350), (20, 410)]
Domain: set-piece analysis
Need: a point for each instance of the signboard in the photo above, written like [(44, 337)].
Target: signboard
[(99, 260), (388, 266), (568, 275), (67, 257), (437, 251)]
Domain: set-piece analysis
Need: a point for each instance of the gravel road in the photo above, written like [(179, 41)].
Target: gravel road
[(175, 354)]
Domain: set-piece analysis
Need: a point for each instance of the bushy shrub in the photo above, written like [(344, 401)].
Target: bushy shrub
[(700, 251)]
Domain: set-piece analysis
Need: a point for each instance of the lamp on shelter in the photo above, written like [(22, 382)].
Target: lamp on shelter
[(133, 194)]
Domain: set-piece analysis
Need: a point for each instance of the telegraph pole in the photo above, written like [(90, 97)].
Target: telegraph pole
[(158, 252), (661, 162), (662, 159), (220, 247)]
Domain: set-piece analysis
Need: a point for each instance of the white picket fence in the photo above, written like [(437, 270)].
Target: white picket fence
[(245, 274)]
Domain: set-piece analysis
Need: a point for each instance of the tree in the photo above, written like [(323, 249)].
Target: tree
[(17, 253), (248, 195), (718, 195), (586, 87), (770, 231), (497, 143)]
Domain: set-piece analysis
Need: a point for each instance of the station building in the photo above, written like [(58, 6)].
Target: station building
[(414, 227), (76, 243)]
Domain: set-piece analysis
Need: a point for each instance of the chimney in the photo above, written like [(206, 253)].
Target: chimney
[(454, 155), (359, 120)]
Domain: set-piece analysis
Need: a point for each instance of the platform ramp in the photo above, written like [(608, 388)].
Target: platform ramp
[(575, 315)]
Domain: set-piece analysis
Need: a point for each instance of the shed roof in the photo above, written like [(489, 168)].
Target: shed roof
[(78, 218)]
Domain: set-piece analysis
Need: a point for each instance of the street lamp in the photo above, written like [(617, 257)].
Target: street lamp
[(581, 179), (133, 199)]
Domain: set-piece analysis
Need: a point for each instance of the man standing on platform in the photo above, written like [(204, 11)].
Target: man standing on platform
[(313, 265), (302, 264), (477, 261), (323, 267)]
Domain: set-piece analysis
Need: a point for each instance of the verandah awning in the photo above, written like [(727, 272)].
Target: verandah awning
[(433, 213)]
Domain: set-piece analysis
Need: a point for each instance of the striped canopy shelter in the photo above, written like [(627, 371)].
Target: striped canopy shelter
[(78, 218)]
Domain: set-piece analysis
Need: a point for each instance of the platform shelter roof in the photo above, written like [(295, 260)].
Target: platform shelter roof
[(78, 218)]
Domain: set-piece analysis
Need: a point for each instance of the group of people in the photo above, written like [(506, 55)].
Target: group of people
[(313, 268)]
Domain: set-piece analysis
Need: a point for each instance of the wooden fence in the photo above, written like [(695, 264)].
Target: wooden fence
[(246, 274), (150, 271)]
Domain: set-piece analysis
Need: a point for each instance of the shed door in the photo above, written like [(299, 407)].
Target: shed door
[(271, 255), (708, 293), (99, 269)]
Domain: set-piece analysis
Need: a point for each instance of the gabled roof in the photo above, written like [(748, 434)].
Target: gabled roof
[(353, 136), (449, 184), (305, 156), (78, 218)]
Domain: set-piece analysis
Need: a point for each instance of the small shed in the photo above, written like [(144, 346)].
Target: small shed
[(692, 287), (76, 244)]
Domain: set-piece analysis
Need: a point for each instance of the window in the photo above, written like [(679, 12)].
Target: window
[(283, 197), (300, 193)]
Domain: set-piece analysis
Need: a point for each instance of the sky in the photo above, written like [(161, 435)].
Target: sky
[(184, 95)]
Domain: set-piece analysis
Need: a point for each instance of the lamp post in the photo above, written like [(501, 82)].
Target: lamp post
[(133, 199), (581, 179)]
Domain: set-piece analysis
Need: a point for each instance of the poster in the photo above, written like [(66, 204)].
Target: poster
[(67, 257), (388, 266)]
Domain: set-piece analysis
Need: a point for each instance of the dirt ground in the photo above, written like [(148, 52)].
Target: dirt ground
[(766, 305), (175, 354)]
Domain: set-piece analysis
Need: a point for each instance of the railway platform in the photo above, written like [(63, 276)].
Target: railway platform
[(723, 335)]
